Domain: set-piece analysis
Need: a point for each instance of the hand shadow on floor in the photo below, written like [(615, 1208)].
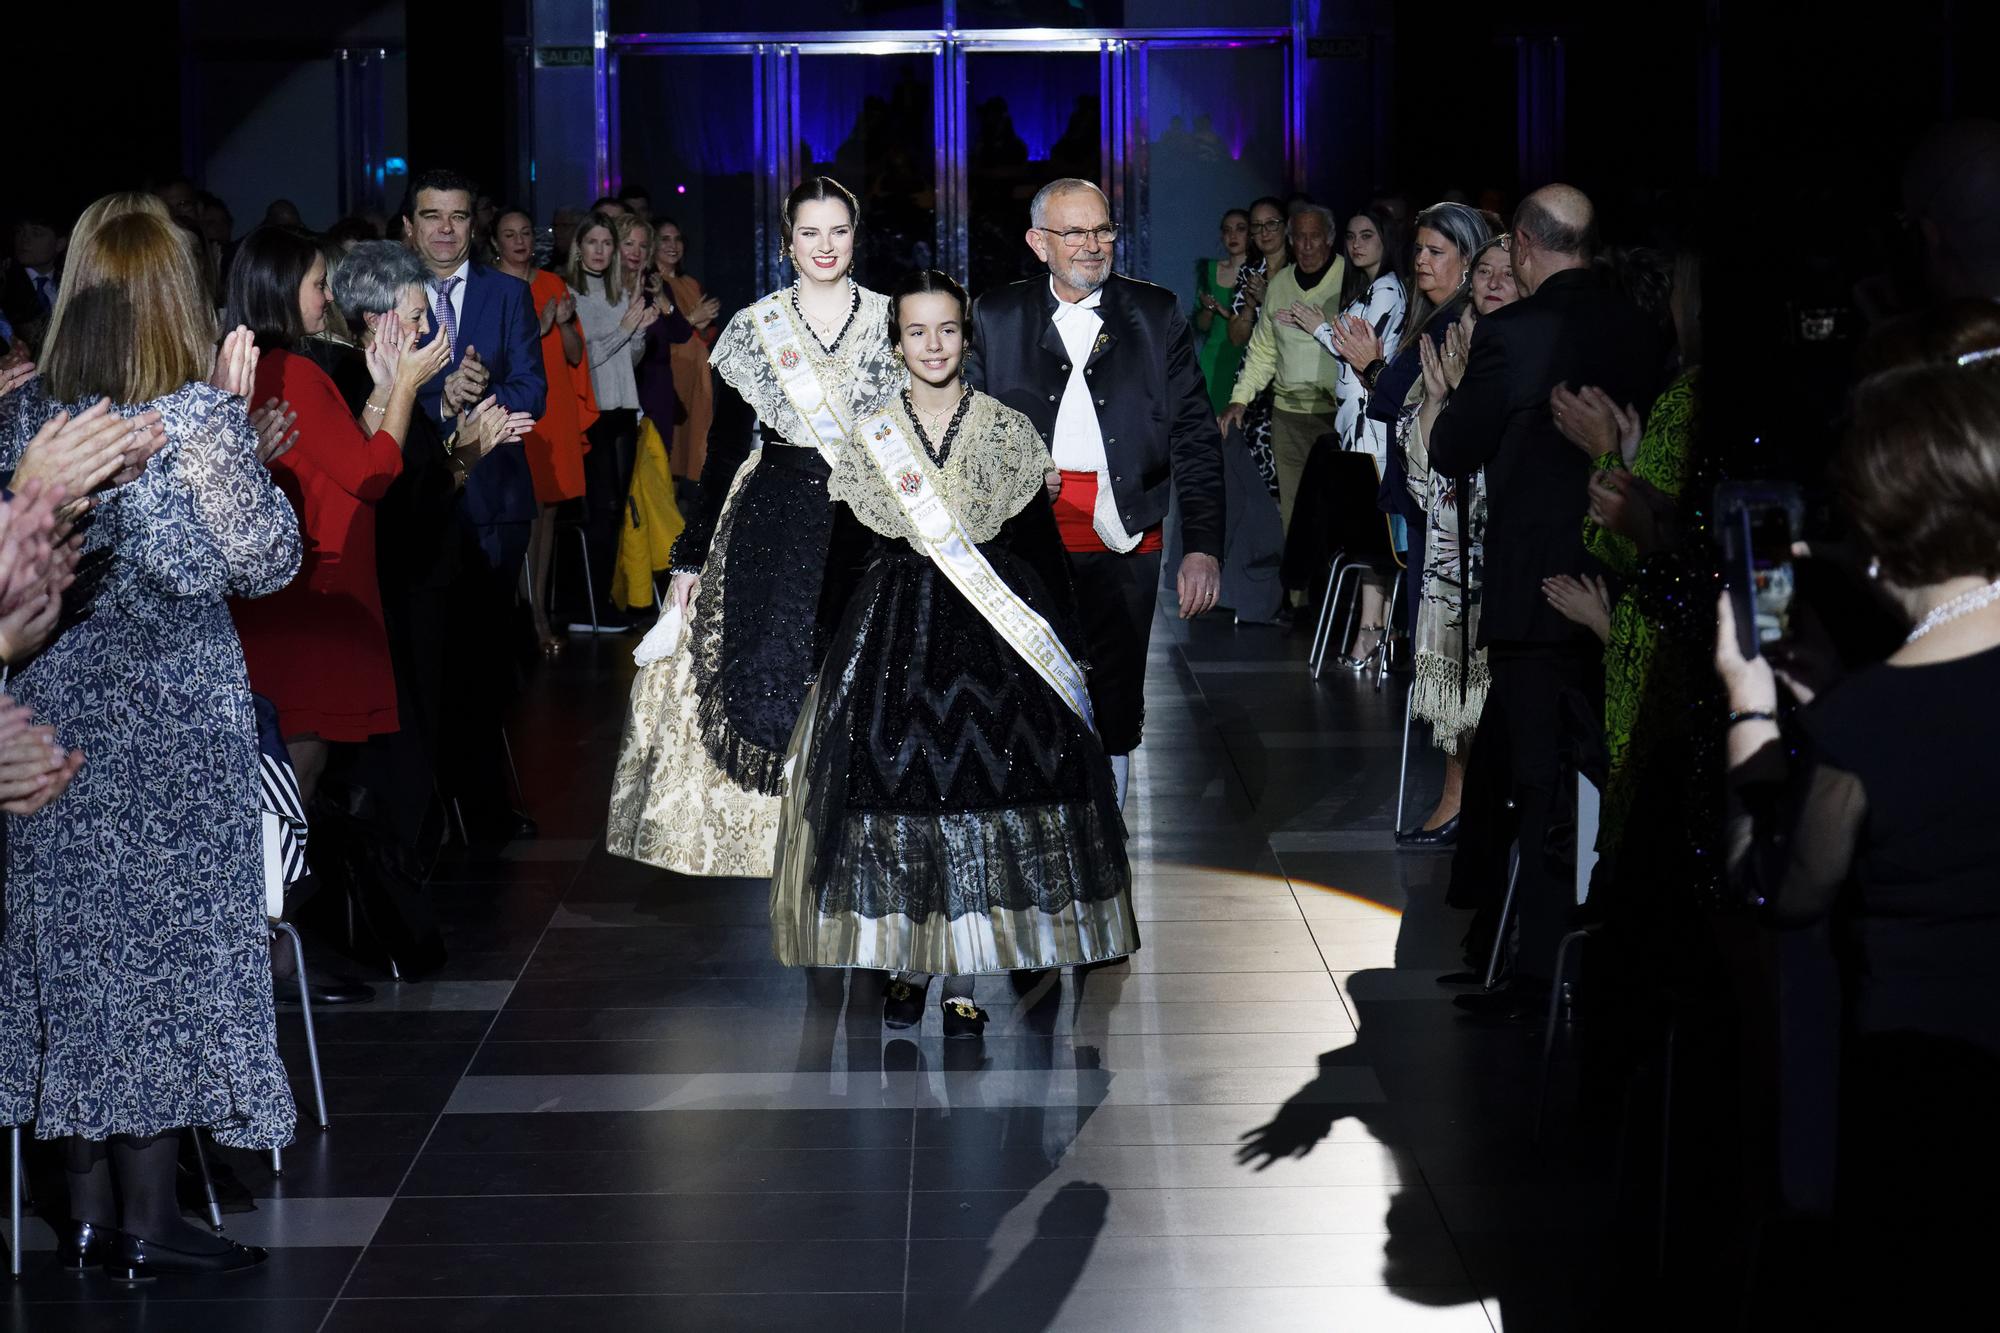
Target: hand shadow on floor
[(1029, 1291)]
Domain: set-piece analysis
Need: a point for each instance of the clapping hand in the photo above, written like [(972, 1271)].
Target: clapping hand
[(235, 369), (1255, 285), (638, 315), (15, 371), (1458, 350), (1437, 382), (1591, 421), (75, 455), (467, 384), (705, 313), (27, 528), (273, 423), (1634, 509), (485, 427), (1303, 316), (1355, 341), (1585, 601)]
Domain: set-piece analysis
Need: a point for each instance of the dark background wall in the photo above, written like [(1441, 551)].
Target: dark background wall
[(1809, 109)]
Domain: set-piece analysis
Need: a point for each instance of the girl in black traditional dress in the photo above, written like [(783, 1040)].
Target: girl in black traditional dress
[(949, 809)]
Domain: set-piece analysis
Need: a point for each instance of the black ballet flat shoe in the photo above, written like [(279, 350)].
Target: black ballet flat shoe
[(963, 1020), (84, 1245), (133, 1259), (1444, 835), (902, 1004)]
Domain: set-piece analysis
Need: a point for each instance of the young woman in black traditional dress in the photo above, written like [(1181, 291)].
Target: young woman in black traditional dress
[(949, 810)]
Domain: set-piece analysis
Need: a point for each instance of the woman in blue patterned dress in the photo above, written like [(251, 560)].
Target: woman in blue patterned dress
[(135, 980)]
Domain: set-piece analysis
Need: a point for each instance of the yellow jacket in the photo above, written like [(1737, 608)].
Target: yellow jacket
[(1304, 375), (652, 521)]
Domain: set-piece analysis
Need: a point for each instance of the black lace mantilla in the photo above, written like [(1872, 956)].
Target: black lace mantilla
[(750, 669)]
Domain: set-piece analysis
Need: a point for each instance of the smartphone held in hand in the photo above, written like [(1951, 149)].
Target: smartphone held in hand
[(1757, 523)]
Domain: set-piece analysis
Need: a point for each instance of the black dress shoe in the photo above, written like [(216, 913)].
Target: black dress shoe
[(520, 826), (324, 990), (84, 1245), (135, 1260), (1517, 1000), (963, 1020), (1444, 835), (902, 1004)]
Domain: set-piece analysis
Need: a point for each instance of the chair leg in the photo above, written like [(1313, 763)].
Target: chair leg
[(207, 1181), (305, 1009), (1325, 625), (1506, 915), (14, 1200), (1388, 624), (1403, 778), (1337, 584), (1549, 1033), (589, 579), (513, 772)]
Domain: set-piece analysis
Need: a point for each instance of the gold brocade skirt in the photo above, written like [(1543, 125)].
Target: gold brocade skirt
[(671, 805)]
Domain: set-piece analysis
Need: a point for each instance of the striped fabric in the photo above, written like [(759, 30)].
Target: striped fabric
[(280, 789)]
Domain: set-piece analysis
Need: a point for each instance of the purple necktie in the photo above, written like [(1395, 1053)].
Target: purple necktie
[(447, 322)]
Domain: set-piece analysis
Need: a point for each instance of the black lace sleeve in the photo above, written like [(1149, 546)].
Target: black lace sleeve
[(730, 438), (1792, 839)]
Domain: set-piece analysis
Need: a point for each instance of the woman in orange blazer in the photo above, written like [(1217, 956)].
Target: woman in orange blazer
[(556, 445)]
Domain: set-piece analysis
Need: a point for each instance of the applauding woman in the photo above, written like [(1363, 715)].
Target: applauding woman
[(555, 446), (950, 810), (318, 650), (137, 991)]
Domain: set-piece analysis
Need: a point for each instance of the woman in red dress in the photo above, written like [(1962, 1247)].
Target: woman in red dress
[(318, 649), (556, 445)]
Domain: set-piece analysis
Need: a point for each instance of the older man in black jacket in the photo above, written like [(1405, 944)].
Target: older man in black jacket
[(1568, 328), (1105, 367)]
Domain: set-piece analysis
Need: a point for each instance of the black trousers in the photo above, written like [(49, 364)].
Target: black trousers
[(607, 480), (1116, 596), (1520, 734)]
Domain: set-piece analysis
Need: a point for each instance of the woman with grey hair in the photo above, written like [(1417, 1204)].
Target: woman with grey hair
[(380, 284)]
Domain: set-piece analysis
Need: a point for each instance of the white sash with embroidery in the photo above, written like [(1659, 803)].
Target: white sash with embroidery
[(824, 416), (908, 475), (909, 479)]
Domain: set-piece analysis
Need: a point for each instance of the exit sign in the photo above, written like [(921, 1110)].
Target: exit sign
[(1337, 48), (564, 57)]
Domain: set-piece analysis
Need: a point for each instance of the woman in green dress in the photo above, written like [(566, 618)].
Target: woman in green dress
[(1215, 288)]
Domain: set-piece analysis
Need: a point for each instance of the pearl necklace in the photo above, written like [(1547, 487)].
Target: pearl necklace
[(1962, 605)]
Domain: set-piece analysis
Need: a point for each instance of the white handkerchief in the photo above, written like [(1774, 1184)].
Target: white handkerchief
[(661, 641)]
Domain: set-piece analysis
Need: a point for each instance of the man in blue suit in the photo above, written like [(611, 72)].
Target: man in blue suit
[(496, 349)]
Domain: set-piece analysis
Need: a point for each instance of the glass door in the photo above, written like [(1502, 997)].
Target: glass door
[(1213, 138), (686, 129), (869, 121), (1028, 117), (945, 138)]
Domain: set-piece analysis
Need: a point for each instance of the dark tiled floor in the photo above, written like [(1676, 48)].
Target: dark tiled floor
[(613, 1111)]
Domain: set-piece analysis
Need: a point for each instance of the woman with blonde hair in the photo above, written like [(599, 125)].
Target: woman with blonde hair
[(137, 991), (614, 316), (652, 519)]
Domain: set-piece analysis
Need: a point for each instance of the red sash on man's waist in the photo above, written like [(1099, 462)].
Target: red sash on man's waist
[(1076, 506)]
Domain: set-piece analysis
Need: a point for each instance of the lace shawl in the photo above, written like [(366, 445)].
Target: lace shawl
[(996, 465), (861, 368)]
